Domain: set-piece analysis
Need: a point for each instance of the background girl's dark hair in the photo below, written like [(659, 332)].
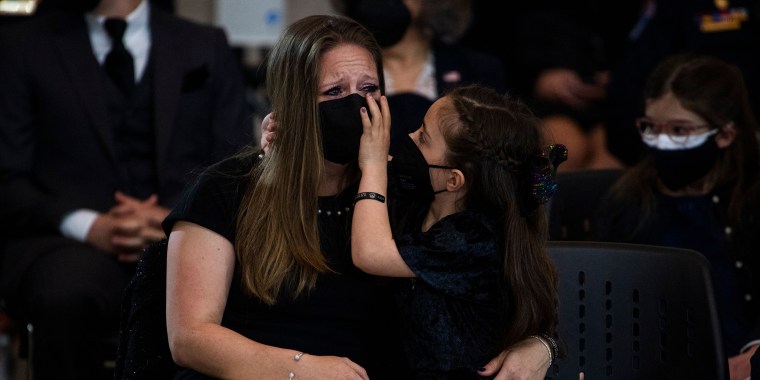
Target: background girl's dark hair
[(714, 90)]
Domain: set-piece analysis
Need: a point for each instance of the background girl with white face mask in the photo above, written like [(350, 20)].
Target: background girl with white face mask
[(699, 188)]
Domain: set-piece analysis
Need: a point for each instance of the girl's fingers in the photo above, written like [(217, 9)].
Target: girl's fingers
[(374, 109), (386, 112), (266, 124), (381, 116), (366, 123)]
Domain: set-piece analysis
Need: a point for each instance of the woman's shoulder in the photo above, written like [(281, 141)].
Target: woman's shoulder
[(227, 178), (238, 165), (212, 200)]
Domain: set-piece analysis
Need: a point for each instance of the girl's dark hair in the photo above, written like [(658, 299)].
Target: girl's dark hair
[(493, 140)]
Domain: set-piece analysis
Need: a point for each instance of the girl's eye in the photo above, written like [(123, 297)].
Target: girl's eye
[(680, 130)]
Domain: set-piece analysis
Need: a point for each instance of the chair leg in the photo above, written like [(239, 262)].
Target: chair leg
[(5, 354), (29, 351), (109, 343)]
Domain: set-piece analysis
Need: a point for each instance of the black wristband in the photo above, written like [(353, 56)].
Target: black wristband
[(369, 195), (553, 344)]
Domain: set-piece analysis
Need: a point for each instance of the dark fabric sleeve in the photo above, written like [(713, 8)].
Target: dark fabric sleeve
[(25, 205), (456, 256), (212, 201), (473, 67), (747, 240)]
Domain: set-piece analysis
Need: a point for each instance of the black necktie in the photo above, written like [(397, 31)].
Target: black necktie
[(119, 64)]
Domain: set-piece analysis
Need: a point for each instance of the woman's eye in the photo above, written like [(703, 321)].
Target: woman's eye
[(370, 89), (334, 91)]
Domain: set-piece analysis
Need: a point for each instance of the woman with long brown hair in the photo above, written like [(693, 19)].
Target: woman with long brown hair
[(260, 282)]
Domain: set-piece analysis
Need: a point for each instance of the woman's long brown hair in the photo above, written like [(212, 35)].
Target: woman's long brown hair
[(277, 241)]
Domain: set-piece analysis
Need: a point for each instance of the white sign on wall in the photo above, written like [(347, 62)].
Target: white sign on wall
[(251, 23)]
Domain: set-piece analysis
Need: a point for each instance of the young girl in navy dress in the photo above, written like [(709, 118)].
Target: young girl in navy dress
[(481, 278)]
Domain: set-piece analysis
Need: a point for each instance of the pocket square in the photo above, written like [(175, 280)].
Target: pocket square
[(195, 79)]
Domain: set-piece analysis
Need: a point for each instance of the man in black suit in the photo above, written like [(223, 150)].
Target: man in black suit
[(90, 165)]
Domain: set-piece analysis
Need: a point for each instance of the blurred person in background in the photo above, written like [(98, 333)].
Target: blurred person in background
[(98, 136), (698, 188), (726, 29), (421, 55), (557, 56)]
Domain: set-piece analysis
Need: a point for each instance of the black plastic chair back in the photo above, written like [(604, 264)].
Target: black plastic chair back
[(629, 311)]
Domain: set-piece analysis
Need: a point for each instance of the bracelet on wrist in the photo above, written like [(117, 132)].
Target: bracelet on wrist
[(369, 195), (548, 349), (296, 357), (552, 344)]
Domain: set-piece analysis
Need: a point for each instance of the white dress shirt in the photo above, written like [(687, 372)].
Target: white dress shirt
[(76, 224)]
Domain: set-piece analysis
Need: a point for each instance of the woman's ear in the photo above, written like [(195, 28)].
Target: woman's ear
[(456, 180), (726, 135)]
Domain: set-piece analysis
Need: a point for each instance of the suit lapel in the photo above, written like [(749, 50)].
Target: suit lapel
[(167, 74), (72, 46)]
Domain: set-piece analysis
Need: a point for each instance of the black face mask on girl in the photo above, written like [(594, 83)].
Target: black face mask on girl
[(341, 126), (412, 173), (681, 167), (387, 20)]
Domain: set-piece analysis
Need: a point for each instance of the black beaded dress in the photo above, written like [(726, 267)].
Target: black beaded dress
[(348, 313)]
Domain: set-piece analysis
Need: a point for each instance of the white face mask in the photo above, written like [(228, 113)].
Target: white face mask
[(665, 142)]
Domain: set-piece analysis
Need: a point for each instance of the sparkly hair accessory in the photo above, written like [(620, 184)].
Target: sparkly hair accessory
[(543, 170)]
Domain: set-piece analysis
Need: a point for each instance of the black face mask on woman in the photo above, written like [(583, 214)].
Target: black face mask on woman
[(681, 167), (387, 20), (412, 173), (341, 125)]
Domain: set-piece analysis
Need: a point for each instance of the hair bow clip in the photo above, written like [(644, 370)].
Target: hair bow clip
[(544, 171)]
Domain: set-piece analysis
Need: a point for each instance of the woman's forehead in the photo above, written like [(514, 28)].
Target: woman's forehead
[(347, 61)]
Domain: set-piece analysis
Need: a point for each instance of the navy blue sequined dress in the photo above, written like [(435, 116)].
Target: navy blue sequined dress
[(452, 322)]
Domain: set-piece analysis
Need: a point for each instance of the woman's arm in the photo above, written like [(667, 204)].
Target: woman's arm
[(372, 246), (527, 359), (200, 267)]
